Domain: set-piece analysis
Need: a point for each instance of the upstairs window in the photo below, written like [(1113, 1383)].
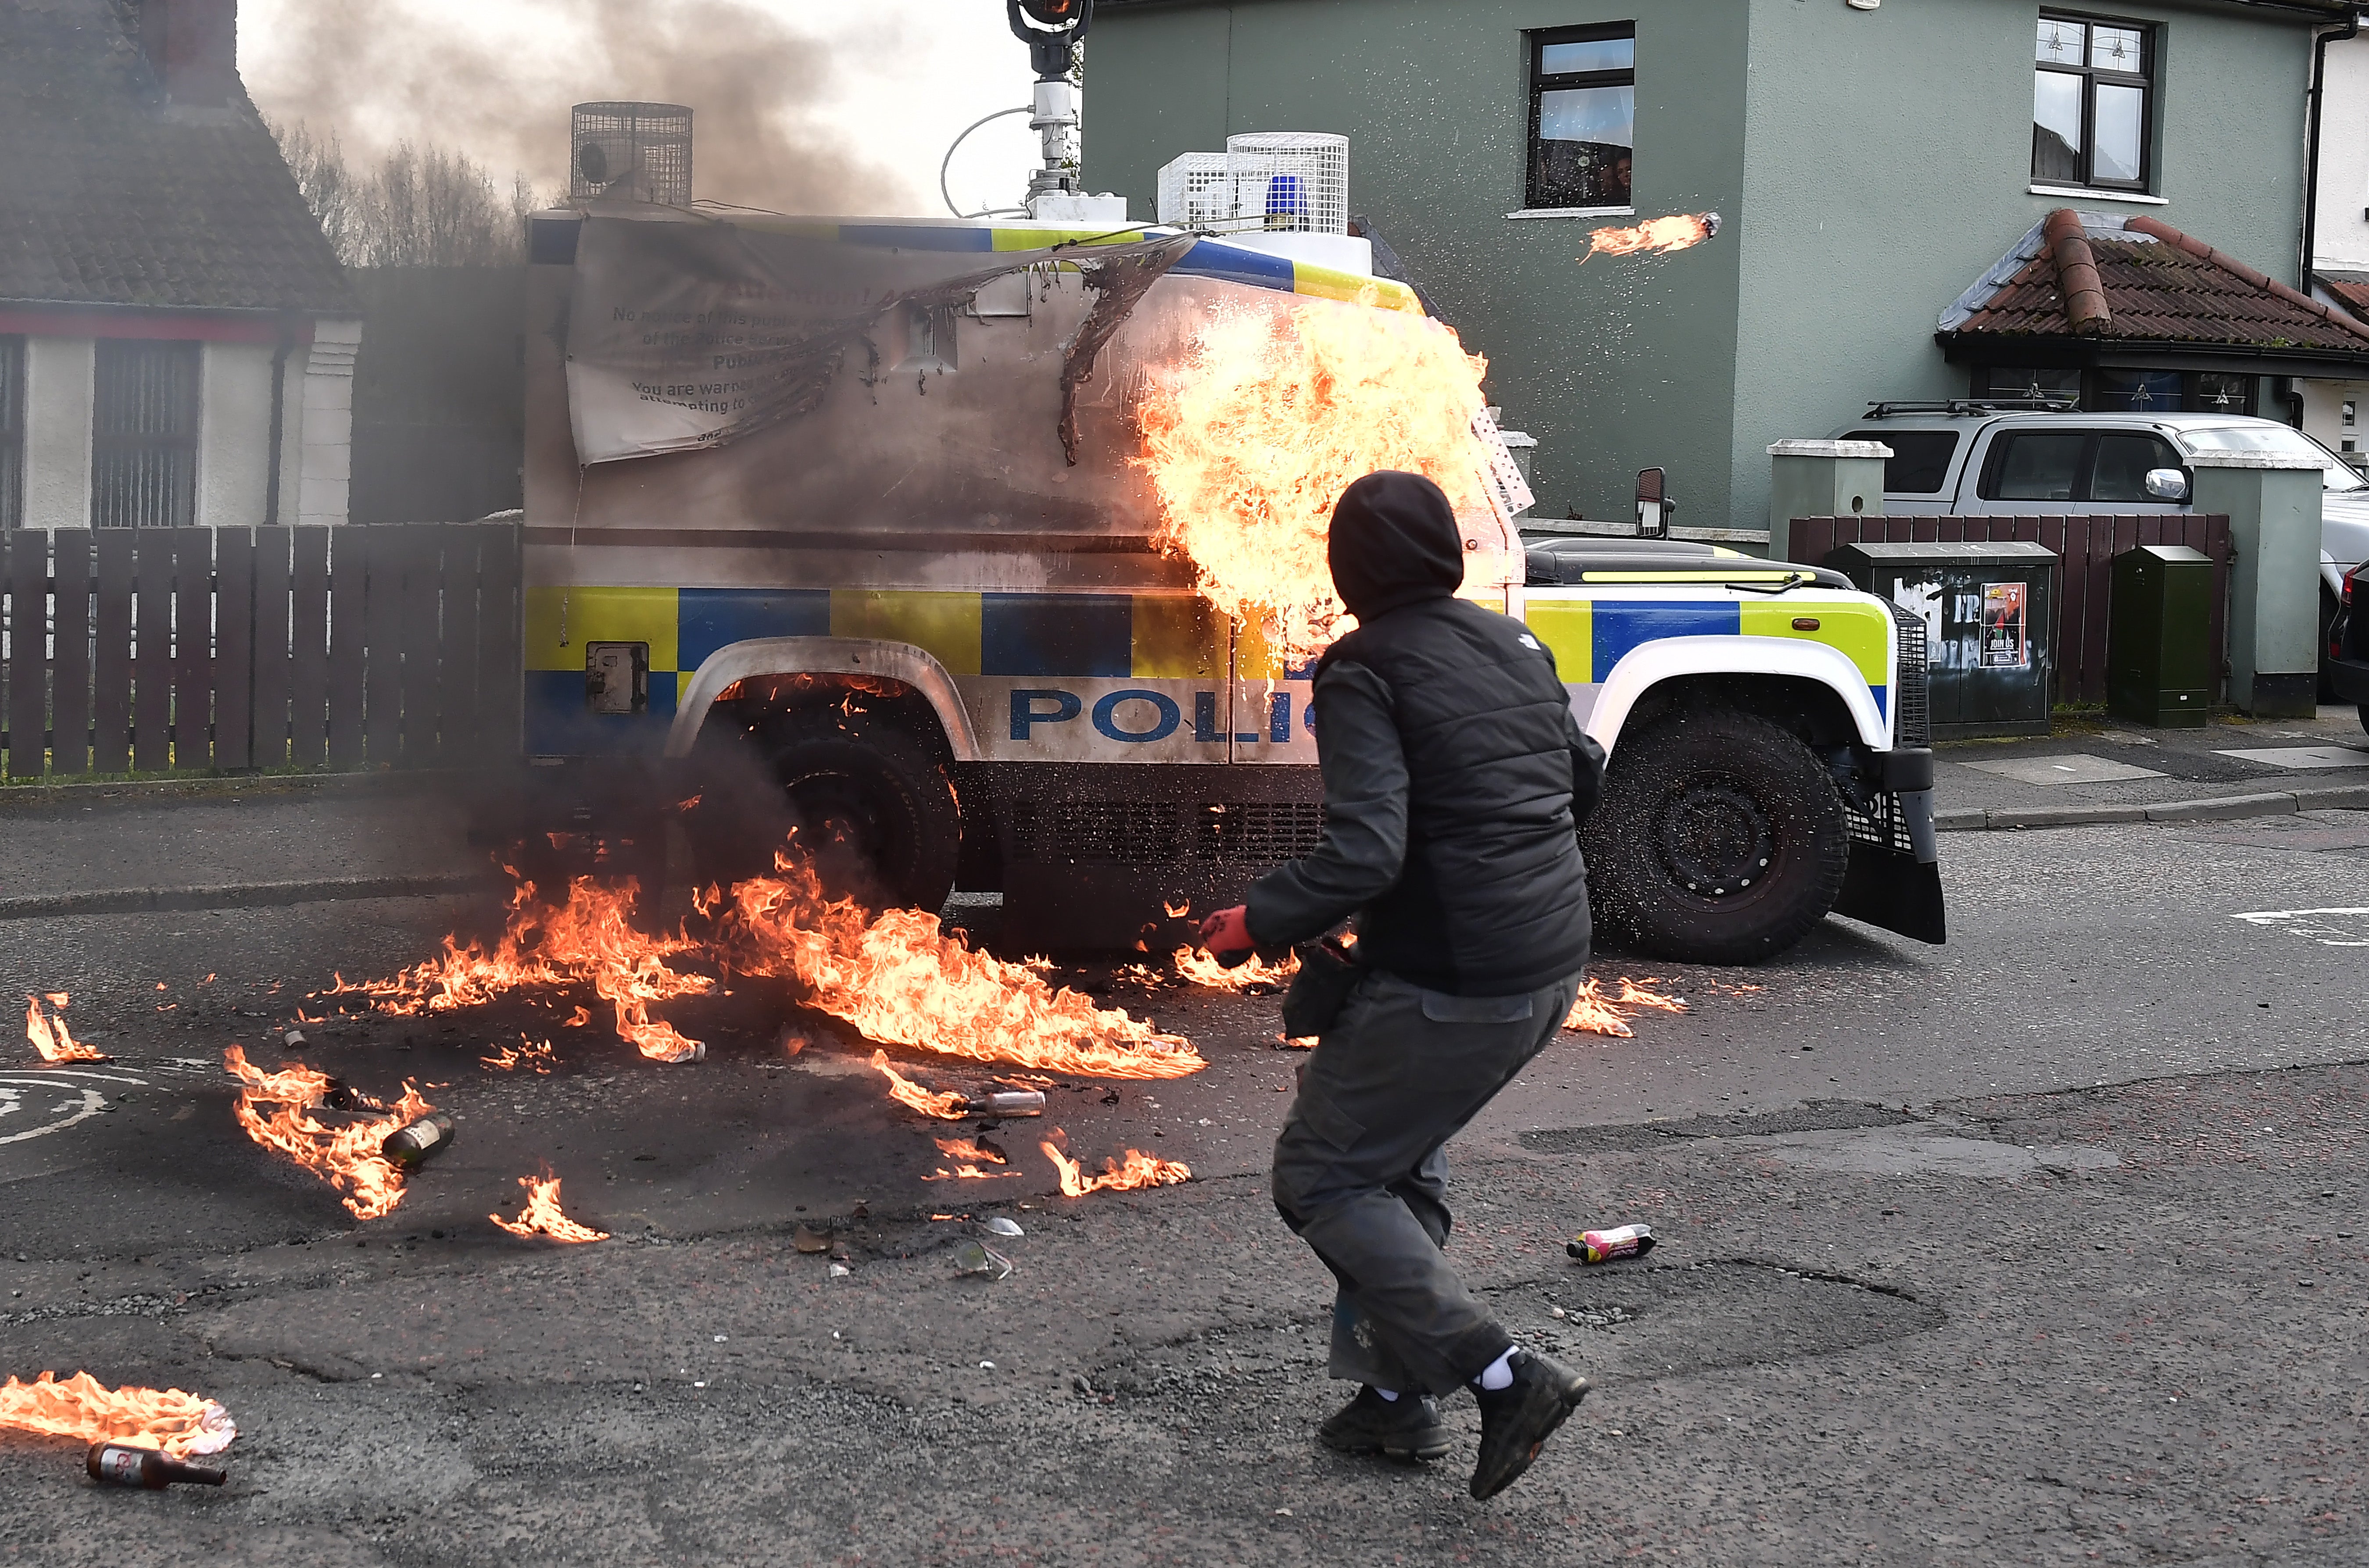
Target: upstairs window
[(2092, 81), (1583, 116), (144, 461)]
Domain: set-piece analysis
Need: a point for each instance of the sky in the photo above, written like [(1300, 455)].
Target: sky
[(798, 106)]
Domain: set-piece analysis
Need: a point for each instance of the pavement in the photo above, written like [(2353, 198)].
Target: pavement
[(2043, 1246)]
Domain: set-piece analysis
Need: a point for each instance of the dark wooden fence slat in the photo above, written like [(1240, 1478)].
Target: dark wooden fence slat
[(193, 646), (151, 663), (499, 680), (308, 647), (349, 576), (269, 719), (2216, 534), (29, 652), (70, 677), (111, 682), (418, 631), (234, 647), (383, 671), (457, 668)]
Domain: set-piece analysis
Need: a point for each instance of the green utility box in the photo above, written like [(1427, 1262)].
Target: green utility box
[(1989, 610), (2158, 636)]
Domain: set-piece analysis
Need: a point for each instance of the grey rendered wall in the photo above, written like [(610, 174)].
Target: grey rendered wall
[(1613, 366), (1887, 166), (439, 394)]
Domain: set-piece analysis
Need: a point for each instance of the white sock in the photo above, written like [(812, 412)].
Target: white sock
[(1390, 1394), (1499, 1374)]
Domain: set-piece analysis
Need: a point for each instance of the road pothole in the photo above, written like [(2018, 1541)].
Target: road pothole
[(1817, 1116)]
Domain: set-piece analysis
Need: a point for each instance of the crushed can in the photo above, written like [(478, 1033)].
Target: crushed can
[(1621, 1242)]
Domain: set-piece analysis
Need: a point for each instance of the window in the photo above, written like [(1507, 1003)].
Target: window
[(2123, 461), (2037, 465), (1583, 116), (1919, 461), (12, 433), (2090, 92), (2052, 385), (2138, 392), (144, 461)]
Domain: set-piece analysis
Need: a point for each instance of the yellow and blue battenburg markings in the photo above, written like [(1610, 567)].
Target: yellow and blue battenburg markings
[(1024, 636), (1207, 259), (1589, 636)]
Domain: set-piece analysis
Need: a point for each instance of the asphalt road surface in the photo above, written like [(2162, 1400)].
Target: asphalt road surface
[(2043, 1246)]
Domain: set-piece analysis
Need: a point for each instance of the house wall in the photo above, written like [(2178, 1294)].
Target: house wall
[(2343, 237), (59, 383), (234, 434), (1873, 198), (1614, 366), (440, 393), (1886, 165), (325, 452)]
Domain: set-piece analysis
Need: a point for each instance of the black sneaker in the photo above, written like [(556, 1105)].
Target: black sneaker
[(1516, 1420), (1407, 1428)]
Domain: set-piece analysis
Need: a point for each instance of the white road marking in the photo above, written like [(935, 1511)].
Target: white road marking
[(2312, 925), (81, 1102)]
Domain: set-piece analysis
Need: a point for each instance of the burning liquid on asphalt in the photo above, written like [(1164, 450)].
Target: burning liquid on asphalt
[(542, 1216), (277, 1110), (1253, 975), (1136, 1170), (49, 1035), (896, 976), (1598, 1014), (169, 1420)]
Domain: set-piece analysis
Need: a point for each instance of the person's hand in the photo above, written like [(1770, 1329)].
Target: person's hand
[(1227, 935)]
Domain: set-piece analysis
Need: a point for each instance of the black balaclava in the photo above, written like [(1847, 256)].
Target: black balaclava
[(1393, 543)]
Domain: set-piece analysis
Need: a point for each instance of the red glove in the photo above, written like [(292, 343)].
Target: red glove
[(1227, 935)]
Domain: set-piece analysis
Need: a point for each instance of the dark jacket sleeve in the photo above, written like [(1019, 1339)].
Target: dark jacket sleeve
[(1364, 815), (1586, 768)]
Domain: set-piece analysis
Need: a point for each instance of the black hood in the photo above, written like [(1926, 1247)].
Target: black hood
[(1394, 542)]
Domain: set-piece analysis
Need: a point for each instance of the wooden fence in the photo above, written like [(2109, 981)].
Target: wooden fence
[(233, 649), (2086, 547)]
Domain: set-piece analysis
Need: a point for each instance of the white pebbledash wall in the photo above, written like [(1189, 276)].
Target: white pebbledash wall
[(2340, 239)]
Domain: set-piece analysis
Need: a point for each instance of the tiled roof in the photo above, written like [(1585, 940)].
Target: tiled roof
[(107, 198), (2349, 287), (2137, 280)]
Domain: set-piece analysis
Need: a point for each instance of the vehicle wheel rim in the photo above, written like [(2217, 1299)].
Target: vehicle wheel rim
[(1714, 840), (844, 831)]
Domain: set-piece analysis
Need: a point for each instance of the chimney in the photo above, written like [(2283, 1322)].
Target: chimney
[(193, 45)]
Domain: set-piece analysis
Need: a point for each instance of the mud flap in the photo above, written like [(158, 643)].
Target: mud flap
[(1897, 891)]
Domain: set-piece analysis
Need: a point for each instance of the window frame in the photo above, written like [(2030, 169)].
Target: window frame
[(1536, 41), (147, 478), (2090, 75)]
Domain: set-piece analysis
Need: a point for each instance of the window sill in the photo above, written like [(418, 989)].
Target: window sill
[(2090, 193), (1574, 213)]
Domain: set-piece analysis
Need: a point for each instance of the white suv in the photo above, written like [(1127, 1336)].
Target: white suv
[(1972, 458)]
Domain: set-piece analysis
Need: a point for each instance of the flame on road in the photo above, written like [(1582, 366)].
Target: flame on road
[(49, 1035), (1253, 975), (1655, 236), (277, 1110), (542, 1216), (948, 1107), (1250, 439), (1136, 1170), (181, 1425), (538, 1057), (1598, 1014)]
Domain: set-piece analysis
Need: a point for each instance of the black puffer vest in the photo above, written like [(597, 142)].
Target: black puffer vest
[(1493, 897)]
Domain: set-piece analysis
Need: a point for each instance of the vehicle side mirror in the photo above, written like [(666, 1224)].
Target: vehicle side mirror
[(2166, 483), (1654, 504)]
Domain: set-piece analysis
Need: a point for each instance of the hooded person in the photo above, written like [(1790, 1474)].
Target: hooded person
[(1455, 777)]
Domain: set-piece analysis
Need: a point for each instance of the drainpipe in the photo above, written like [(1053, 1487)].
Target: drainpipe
[(285, 347), (2311, 167)]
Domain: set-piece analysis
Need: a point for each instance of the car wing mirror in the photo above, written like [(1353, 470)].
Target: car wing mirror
[(2166, 483), (1654, 504)]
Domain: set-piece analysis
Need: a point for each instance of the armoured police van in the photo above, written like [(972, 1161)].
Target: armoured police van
[(839, 523)]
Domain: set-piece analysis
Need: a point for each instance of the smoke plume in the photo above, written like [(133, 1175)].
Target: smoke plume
[(495, 82)]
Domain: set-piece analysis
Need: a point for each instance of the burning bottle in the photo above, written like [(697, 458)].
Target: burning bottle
[(1007, 1102), (119, 1464), (414, 1145)]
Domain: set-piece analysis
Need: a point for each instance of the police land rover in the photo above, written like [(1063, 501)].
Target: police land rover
[(849, 519)]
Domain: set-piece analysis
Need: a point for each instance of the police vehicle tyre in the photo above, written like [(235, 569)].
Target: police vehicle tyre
[(1721, 840), (889, 793)]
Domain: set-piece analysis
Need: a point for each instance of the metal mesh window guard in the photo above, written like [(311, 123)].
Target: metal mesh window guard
[(144, 463)]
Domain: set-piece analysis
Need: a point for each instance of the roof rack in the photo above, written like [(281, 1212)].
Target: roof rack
[(1955, 407)]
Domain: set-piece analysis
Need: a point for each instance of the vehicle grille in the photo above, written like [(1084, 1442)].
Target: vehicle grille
[(1912, 690), (1140, 832), (1885, 825)]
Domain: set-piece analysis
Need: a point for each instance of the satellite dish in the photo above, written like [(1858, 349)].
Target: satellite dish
[(592, 162)]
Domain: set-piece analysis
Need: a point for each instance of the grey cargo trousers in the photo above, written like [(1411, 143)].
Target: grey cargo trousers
[(1361, 1171)]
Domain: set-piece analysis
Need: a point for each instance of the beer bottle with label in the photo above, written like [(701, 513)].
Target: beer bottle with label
[(414, 1145), (120, 1464)]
